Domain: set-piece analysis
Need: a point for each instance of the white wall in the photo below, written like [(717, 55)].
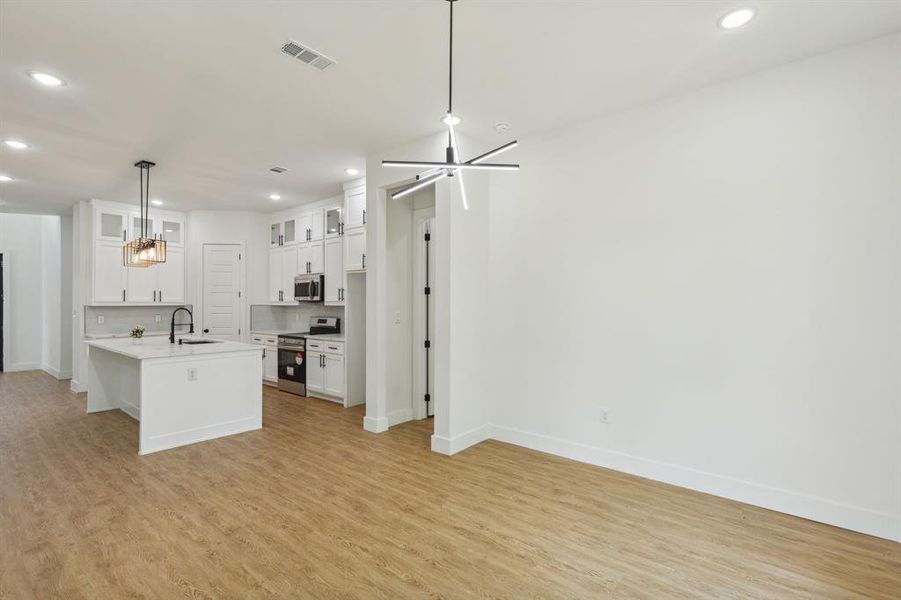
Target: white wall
[(39, 320), (720, 271), (20, 242), (226, 227)]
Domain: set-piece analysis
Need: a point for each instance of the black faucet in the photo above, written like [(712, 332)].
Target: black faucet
[(172, 324)]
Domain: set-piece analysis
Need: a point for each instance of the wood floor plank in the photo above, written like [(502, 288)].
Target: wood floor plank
[(312, 506)]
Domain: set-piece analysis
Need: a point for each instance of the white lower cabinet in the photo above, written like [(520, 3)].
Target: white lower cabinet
[(269, 344), (333, 371), (315, 372), (325, 369)]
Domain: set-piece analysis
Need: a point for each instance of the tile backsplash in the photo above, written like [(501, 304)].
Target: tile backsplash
[(118, 320), (266, 317)]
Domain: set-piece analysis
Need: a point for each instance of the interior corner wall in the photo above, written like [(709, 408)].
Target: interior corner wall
[(721, 273), (20, 241), (51, 276), (226, 227)]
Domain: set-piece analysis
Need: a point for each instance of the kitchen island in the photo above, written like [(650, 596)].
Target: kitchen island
[(179, 393)]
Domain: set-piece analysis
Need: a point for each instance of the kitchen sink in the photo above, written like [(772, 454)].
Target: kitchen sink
[(202, 341)]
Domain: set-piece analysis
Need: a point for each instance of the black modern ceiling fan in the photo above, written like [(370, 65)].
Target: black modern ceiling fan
[(451, 167)]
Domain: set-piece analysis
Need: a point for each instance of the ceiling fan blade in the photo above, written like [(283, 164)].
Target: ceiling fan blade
[(449, 165), (490, 153), (426, 181)]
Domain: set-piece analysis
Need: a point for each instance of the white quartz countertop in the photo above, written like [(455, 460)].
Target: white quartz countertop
[(110, 336), (327, 337), (159, 347)]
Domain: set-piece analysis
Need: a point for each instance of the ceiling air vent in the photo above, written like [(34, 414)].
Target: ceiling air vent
[(278, 169), (314, 58)]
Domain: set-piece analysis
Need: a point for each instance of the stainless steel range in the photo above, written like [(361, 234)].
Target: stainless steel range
[(292, 354)]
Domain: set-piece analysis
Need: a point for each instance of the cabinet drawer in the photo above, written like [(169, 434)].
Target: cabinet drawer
[(264, 340), (325, 346), (256, 339)]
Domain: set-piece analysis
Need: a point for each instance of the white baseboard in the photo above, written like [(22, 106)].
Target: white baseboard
[(56, 373), (450, 446), (399, 416), (198, 434), (76, 387), (375, 425), (793, 503), (22, 366)]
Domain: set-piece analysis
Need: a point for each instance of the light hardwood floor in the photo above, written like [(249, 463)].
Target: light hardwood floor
[(314, 507)]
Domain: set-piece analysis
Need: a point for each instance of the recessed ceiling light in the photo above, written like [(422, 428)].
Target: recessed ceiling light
[(16, 144), (5, 178), (737, 18), (46, 79), (156, 202), (351, 171), (274, 197)]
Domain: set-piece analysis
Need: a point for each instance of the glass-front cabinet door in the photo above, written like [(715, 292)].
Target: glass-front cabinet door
[(173, 231), (110, 225), (333, 221), (275, 234), (149, 227), (283, 232)]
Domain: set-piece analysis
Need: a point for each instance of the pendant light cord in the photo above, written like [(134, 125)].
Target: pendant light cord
[(450, 62)]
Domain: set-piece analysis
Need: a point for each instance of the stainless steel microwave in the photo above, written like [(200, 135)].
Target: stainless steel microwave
[(308, 288)]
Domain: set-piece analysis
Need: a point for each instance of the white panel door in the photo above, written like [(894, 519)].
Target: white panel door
[(172, 277), (142, 282), (334, 374), (315, 372), (109, 273), (355, 249), (275, 275), (355, 208), (221, 287), (334, 269)]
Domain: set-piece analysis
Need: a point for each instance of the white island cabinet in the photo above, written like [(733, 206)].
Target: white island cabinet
[(180, 394)]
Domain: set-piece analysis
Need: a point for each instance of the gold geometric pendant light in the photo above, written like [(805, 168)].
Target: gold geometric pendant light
[(144, 251)]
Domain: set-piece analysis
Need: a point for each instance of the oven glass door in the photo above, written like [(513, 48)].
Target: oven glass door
[(292, 365)]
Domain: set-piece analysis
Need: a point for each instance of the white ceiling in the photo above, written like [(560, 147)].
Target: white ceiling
[(201, 89)]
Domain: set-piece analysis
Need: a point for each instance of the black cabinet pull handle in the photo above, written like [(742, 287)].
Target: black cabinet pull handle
[(364, 216), (154, 295), (161, 295), (364, 260)]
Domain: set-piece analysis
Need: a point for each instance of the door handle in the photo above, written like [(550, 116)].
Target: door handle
[(206, 330)]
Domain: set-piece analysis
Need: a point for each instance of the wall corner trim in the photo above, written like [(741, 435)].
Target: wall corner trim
[(451, 446), (375, 424)]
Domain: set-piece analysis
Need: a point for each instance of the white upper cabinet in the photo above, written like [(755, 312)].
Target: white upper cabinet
[(113, 226), (309, 257), (355, 249), (310, 225), (141, 284), (110, 225), (108, 272), (283, 267), (334, 271), (275, 275), (171, 281), (283, 232), (355, 207)]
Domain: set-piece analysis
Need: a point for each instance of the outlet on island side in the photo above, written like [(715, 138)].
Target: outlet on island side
[(157, 318), (192, 374), (100, 319), (605, 416)]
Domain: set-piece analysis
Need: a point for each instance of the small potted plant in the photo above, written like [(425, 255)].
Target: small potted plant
[(137, 334)]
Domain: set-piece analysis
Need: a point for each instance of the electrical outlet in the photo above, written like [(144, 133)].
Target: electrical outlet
[(157, 318), (192, 374), (605, 416), (397, 317), (100, 319)]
